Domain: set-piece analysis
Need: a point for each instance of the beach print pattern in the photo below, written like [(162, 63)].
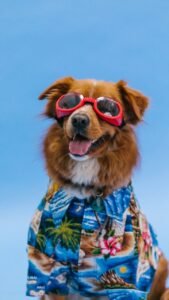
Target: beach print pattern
[(93, 247)]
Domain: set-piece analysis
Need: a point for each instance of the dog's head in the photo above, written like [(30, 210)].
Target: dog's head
[(85, 135)]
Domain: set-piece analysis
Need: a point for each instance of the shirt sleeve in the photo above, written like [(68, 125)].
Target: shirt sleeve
[(40, 249), (39, 270)]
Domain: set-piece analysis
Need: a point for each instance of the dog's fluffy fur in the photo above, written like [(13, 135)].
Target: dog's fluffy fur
[(108, 165)]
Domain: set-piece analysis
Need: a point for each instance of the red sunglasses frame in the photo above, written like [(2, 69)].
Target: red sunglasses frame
[(113, 120)]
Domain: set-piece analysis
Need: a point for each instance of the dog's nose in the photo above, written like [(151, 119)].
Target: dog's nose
[(80, 122)]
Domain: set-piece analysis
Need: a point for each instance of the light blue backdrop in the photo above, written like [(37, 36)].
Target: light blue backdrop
[(44, 40)]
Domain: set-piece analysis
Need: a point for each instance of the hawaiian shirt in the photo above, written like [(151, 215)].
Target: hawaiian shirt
[(92, 247)]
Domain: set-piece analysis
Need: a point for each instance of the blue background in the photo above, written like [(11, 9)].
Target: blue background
[(44, 40)]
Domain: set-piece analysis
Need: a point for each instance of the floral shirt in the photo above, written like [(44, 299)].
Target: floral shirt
[(93, 247)]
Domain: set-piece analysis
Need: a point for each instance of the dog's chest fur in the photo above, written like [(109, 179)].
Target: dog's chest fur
[(85, 172)]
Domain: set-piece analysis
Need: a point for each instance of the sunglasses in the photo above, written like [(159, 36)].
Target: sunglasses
[(106, 108)]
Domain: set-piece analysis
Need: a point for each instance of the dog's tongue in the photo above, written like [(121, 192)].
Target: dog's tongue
[(79, 147)]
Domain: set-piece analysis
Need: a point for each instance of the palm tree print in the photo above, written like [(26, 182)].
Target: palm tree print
[(67, 234), (41, 240)]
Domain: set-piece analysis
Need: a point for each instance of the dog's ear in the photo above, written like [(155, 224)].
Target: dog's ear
[(135, 103), (58, 88), (53, 92)]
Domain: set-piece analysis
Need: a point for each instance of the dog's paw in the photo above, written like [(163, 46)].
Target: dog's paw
[(165, 296)]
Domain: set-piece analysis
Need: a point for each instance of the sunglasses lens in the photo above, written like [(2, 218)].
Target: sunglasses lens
[(107, 107), (69, 101)]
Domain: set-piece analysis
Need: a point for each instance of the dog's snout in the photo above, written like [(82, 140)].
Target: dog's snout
[(80, 121)]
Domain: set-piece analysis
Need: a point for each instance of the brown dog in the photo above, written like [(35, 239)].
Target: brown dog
[(113, 150)]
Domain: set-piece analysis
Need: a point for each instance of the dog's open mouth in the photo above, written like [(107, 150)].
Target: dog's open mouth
[(81, 146)]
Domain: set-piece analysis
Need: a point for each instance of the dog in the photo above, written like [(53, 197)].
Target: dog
[(89, 225)]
